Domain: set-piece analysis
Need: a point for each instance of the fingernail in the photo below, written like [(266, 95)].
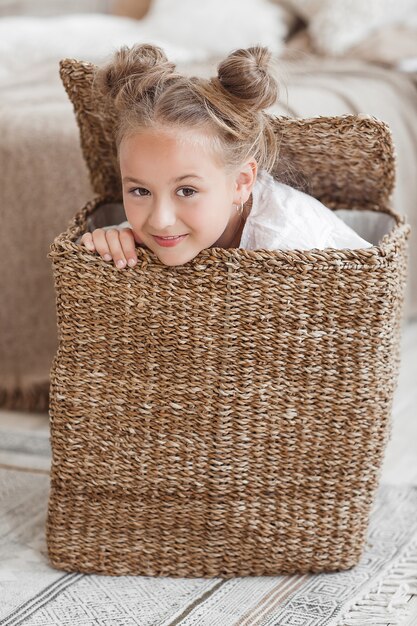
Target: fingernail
[(89, 246), (120, 263), (107, 257), (132, 262)]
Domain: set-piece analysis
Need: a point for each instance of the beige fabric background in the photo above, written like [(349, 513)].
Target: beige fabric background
[(43, 179)]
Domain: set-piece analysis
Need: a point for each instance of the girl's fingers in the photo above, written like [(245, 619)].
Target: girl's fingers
[(115, 244), (122, 247), (87, 241), (127, 240), (113, 241), (100, 242)]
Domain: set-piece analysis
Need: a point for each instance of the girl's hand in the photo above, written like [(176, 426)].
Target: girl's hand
[(112, 243)]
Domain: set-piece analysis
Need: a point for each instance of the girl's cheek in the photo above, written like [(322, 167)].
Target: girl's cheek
[(137, 237)]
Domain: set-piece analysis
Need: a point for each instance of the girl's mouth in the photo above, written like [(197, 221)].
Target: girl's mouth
[(168, 242)]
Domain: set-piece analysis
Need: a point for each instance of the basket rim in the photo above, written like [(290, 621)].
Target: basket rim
[(64, 245)]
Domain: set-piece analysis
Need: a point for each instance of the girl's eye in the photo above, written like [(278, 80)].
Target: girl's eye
[(187, 192), (139, 191)]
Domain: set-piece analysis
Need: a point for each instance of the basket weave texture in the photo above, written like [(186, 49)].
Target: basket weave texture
[(227, 417)]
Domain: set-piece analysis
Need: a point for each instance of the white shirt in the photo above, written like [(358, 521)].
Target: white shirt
[(283, 218)]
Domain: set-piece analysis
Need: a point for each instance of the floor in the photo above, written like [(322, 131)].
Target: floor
[(400, 465)]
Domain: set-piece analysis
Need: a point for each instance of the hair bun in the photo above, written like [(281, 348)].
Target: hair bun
[(132, 72), (247, 75)]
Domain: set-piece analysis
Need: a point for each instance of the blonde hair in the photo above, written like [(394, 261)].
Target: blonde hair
[(147, 92)]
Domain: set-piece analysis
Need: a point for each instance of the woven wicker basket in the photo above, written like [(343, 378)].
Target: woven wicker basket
[(227, 417)]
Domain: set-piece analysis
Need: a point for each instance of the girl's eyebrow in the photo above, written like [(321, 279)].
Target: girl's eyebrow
[(130, 179), (177, 180)]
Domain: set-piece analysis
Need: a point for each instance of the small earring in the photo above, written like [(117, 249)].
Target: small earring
[(239, 209)]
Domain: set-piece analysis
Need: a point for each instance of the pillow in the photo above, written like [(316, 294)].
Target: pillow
[(216, 27), (187, 30), (337, 25), (389, 46)]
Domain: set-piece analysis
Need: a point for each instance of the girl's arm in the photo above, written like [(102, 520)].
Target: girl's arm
[(113, 243)]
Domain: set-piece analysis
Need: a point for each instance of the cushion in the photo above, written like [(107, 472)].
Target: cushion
[(336, 25)]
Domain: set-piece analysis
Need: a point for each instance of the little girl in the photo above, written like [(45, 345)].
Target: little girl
[(195, 156)]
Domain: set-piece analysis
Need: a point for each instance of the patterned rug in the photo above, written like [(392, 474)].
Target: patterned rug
[(374, 593)]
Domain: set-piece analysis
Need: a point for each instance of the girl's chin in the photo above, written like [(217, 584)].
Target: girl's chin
[(173, 260), (175, 256)]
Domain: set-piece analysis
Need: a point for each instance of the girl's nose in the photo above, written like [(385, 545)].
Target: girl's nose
[(162, 216)]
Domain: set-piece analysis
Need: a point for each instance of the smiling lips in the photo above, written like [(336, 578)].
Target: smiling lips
[(168, 242)]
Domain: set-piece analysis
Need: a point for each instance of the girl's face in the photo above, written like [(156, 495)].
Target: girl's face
[(177, 195)]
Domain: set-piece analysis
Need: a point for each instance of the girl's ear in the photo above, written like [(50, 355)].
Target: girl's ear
[(245, 180)]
